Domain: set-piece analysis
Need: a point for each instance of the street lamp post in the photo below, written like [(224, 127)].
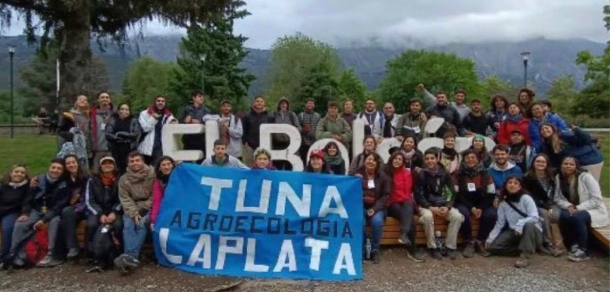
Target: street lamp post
[(202, 58), (11, 53), (525, 56)]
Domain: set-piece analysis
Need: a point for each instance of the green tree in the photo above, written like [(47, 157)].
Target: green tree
[(563, 94), (73, 23), (351, 87), (320, 84), (222, 52), (494, 85), (293, 59), (145, 79), (439, 71)]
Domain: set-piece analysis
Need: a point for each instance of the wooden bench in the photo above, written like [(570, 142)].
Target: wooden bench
[(391, 230), (603, 234)]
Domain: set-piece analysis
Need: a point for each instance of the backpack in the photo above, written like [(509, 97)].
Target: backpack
[(102, 245), (36, 247), (368, 129)]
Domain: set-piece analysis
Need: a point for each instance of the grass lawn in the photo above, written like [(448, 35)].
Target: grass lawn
[(36, 151)]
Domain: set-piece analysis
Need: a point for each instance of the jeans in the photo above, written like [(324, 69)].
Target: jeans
[(69, 220), (575, 228), (8, 223), (509, 243), (134, 234), (403, 212), (487, 221), (23, 230), (376, 223)]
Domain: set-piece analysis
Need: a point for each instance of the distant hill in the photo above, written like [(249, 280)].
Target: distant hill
[(549, 59)]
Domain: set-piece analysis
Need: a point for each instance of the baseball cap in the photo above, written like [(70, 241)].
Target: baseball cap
[(107, 158), (317, 153)]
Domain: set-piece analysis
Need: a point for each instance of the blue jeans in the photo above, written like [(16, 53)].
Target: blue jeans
[(134, 235), (575, 229), (376, 222), (8, 224)]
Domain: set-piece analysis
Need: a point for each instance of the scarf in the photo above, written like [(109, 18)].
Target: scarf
[(408, 155), (387, 127), (515, 119), (514, 198), (471, 171), (108, 179), (450, 152), (333, 160), (17, 185), (140, 176)]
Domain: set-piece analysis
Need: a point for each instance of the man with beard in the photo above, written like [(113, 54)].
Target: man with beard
[(412, 123), (390, 120), (348, 112), (502, 168), (152, 121), (100, 115), (309, 120), (231, 130), (252, 122), (476, 122), (459, 104), (443, 110), (371, 116), (195, 113)]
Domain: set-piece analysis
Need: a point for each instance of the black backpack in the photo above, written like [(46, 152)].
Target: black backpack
[(103, 247)]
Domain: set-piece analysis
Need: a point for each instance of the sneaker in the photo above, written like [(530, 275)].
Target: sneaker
[(73, 253), (46, 261), (131, 262), (579, 256), (469, 250), (452, 254), (436, 254), (573, 249), (94, 269), (544, 251), (120, 264), (415, 256), (522, 262), (404, 239), (375, 257)]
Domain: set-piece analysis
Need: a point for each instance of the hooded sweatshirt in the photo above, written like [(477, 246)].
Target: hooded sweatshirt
[(434, 188), (135, 191), (500, 175)]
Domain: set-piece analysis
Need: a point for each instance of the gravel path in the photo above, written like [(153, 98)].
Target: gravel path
[(394, 273)]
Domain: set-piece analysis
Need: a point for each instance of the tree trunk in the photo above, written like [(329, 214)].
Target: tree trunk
[(75, 54)]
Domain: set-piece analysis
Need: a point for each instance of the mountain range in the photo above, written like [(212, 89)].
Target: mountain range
[(549, 59)]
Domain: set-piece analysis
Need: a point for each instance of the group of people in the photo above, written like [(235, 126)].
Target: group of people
[(111, 172)]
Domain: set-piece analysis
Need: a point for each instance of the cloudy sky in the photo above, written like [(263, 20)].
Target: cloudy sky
[(435, 21)]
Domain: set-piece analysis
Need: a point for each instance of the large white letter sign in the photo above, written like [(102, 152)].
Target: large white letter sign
[(383, 148), (357, 136), (320, 144), (287, 154), (169, 139)]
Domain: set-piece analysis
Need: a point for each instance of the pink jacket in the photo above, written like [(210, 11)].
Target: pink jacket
[(157, 194)]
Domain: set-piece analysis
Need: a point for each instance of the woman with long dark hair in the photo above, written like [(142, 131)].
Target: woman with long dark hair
[(163, 170), (370, 145), (579, 196), (478, 145), (122, 132), (414, 159), (332, 156), (497, 111), (71, 215), (539, 116), (14, 189)]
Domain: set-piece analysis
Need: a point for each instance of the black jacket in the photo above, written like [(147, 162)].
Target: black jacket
[(13, 200), (194, 141), (252, 123), (535, 190), (451, 116), (483, 195), (54, 196), (434, 189), (476, 124), (383, 189), (100, 199)]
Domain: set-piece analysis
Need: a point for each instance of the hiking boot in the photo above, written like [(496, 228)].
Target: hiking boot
[(436, 254), (73, 253), (452, 254), (579, 256), (469, 250), (375, 256), (404, 239), (522, 262)]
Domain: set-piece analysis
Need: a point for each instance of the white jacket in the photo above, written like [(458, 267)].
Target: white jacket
[(148, 123), (589, 198), (378, 127)]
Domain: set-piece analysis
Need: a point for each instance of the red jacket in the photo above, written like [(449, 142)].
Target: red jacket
[(157, 194), (507, 126), (402, 186)]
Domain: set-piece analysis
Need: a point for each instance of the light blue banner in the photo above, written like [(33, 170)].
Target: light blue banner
[(261, 224)]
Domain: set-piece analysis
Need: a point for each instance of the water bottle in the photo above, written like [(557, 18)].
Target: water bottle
[(368, 248), (440, 243)]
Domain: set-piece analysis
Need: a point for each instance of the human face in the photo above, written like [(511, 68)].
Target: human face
[(369, 144), (408, 144), (513, 186), (546, 131), (103, 99), (471, 160), (430, 161), (124, 111), (316, 163), (225, 109), (348, 107), (514, 110), (540, 163), (546, 108), (259, 103), (220, 151), (166, 167), (388, 109), (568, 166), (500, 157), (441, 99), (108, 166), (72, 165), (516, 138), (449, 142), (333, 111), (369, 105), (81, 102), (262, 161), (370, 163), (499, 103), (198, 100), (283, 106), (537, 111), (18, 174), (332, 150), (476, 107), (160, 102), (415, 107), (478, 144), (135, 163), (524, 97), (459, 98), (309, 105), (55, 170), (398, 161)]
